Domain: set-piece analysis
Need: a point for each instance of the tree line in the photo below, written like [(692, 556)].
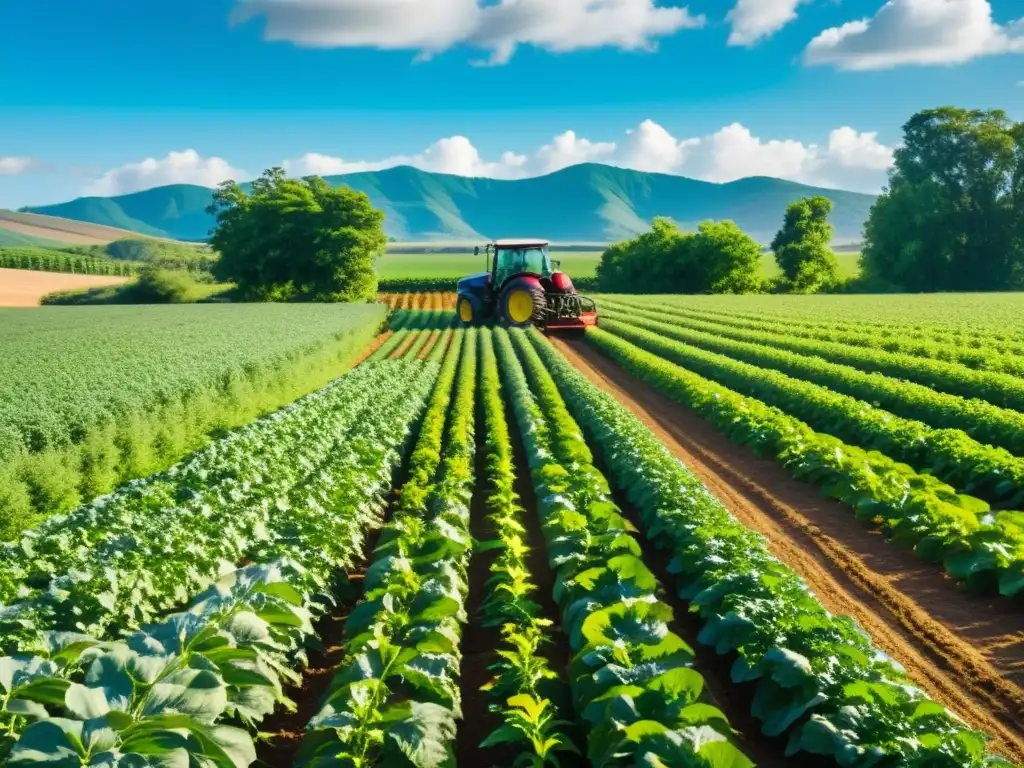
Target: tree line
[(951, 218)]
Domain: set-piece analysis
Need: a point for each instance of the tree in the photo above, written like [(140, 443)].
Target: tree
[(802, 247), (296, 239), (952, 217), (718, 258)]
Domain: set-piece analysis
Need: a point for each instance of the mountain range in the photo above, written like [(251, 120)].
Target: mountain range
[(582, 203)]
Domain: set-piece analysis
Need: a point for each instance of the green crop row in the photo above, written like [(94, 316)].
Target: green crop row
[(632, 678), (981, 420), (984, 549), (999, 389), (301, 477), (395, 698), (992, 474), (451, 284), (818, 679), (530, 696), (93, 397), (1003, 340), (983, 353), (161, 696), (45, 260)]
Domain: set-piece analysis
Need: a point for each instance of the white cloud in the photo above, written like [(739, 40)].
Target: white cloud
[(433, 26), (753, 20), (455, 155), (186, 167), (13, 166), (920, 32), (849, 160)]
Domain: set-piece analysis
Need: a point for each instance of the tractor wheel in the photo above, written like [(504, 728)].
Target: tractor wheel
[(464, 309), (523, 306)]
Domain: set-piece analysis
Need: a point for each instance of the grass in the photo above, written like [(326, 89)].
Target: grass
[(421, 265), (413, 265)]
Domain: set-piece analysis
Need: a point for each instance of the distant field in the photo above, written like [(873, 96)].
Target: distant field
[(24, 288), (584, 264), (61, 231), (406, 265)]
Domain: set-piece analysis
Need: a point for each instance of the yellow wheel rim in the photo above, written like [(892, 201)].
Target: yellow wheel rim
[(520, 306), (465, 311)]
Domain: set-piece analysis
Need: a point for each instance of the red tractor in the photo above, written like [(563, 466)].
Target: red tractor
[(523, 287)]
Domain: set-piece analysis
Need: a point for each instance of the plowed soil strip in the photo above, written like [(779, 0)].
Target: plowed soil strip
[(403, 346), (286, 729), (966, 651), (478, 642), (429, 345), (373, 346)]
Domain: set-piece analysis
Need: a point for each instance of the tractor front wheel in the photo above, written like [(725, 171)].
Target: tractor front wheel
[(464, 309), (523, 306)]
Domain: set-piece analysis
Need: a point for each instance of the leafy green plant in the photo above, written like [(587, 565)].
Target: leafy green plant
[(161, 694), (819, 680), (992, 474), (983, 548), (529, 695), (395, 698), (623, 649)]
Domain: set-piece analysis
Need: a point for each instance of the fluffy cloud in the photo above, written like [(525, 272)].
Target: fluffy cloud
[(850, 159), (918, 32), (12, 166), (432, 26), (753, 20), (455, 155), (186, 167)]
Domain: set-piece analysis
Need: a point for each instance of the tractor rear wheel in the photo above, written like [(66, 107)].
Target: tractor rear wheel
[(523, 306)]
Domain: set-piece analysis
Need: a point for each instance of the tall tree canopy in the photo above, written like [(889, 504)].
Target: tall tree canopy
[(717, 258), (952, 218), (803, 248), (297, 239)]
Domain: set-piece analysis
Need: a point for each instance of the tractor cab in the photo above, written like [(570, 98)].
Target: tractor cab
[(520, 257), (523, 286)]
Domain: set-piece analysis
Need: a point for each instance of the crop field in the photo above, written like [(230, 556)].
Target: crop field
[(714, 532), (93, 396), (439, 271)]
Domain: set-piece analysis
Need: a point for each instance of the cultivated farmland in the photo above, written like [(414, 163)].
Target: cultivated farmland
[(91, 397), (712, 532)]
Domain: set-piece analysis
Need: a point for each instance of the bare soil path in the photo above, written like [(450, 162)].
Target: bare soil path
[(25, 287), (966, 651)]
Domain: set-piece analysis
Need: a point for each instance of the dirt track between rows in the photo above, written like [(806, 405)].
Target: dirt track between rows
[(965, 651)]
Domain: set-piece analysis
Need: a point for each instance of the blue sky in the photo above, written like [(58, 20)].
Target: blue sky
[(719, 91)]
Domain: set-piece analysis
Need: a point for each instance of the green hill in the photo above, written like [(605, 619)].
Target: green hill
[(583, 203)]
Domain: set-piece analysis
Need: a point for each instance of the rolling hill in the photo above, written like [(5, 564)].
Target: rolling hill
[(48, 231), (583, 203)]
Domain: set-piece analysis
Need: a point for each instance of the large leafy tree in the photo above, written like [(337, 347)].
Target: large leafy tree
[(952, 217), (803, 248), (297, 239), (717, 258)]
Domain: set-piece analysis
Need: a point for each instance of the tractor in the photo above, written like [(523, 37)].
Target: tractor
[(523, 286)]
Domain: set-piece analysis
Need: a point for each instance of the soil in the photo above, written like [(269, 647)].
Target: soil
[(478, 642), (284, 730), (403, 346), (25, 287), (964, 650), (372, 347)]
